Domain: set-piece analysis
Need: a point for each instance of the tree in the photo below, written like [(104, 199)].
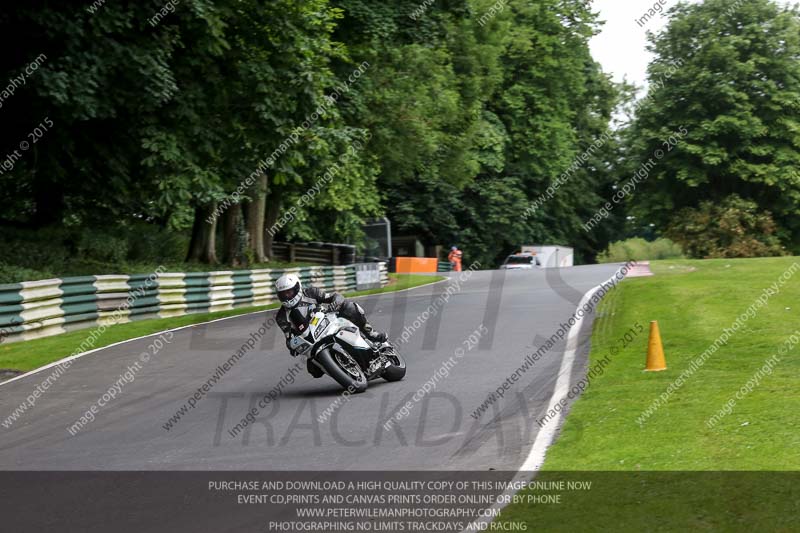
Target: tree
[(165, 123), (728, 73), (105, 79), (473, 116), (256, 211), (230, 117)]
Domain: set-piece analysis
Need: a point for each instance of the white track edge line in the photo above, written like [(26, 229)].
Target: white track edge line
[(545, 436)]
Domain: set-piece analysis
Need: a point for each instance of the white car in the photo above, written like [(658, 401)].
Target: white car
[(521, 262)]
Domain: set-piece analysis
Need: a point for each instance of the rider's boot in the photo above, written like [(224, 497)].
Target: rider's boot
[(377, 337), (355, 313)]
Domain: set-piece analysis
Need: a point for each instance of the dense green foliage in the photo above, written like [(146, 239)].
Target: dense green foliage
[(733, 228), (639, 249), (729, 73), (479, 114), (31, 254), (65, 251), (216, 118), (155, 123), (222, 125)]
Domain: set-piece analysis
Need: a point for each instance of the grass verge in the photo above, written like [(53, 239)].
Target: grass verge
[(703, 429), (399, 282), (28, 355)]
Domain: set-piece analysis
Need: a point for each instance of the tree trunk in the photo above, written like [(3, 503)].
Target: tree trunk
[(255, 218), (271, 217), (202, 247), (230, 235), (195, 243)]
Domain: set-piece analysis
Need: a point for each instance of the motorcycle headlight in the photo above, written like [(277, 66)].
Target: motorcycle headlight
[(321, 328)]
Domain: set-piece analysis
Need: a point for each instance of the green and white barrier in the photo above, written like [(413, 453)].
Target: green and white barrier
[(34, 309)]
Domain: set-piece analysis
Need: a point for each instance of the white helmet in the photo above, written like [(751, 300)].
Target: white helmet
[(289, 289)]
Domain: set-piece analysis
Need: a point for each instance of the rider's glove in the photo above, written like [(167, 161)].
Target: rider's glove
[(337, 302)]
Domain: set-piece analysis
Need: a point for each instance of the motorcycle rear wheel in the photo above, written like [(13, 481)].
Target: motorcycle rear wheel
[(397, 371)]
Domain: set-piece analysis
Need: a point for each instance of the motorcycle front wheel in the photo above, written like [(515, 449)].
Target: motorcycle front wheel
[(344, 369)]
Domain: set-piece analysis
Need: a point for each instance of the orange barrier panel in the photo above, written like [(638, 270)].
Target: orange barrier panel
[(410, 265)]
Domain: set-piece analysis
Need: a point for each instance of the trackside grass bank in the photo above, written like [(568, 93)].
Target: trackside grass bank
[(29, 355), (668, 450)]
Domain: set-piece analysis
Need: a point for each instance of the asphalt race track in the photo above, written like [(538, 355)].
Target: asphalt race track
[(518, 309)]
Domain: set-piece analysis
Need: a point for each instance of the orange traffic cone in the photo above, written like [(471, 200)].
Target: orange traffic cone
[(655, 351)]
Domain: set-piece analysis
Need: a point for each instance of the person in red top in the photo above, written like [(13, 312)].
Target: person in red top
[(455, 258)]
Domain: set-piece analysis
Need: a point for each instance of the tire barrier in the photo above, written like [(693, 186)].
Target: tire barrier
[(35, 309), (411, 265)]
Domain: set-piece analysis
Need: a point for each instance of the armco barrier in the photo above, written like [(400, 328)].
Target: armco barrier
[(34, 309)]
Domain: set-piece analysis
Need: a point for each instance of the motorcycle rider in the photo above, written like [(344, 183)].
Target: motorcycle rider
[(292, 295)]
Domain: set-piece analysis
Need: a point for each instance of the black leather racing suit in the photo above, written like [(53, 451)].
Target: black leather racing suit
[(338, 303)]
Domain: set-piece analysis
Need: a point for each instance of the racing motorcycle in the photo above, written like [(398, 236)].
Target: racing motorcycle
[(335, 345)]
